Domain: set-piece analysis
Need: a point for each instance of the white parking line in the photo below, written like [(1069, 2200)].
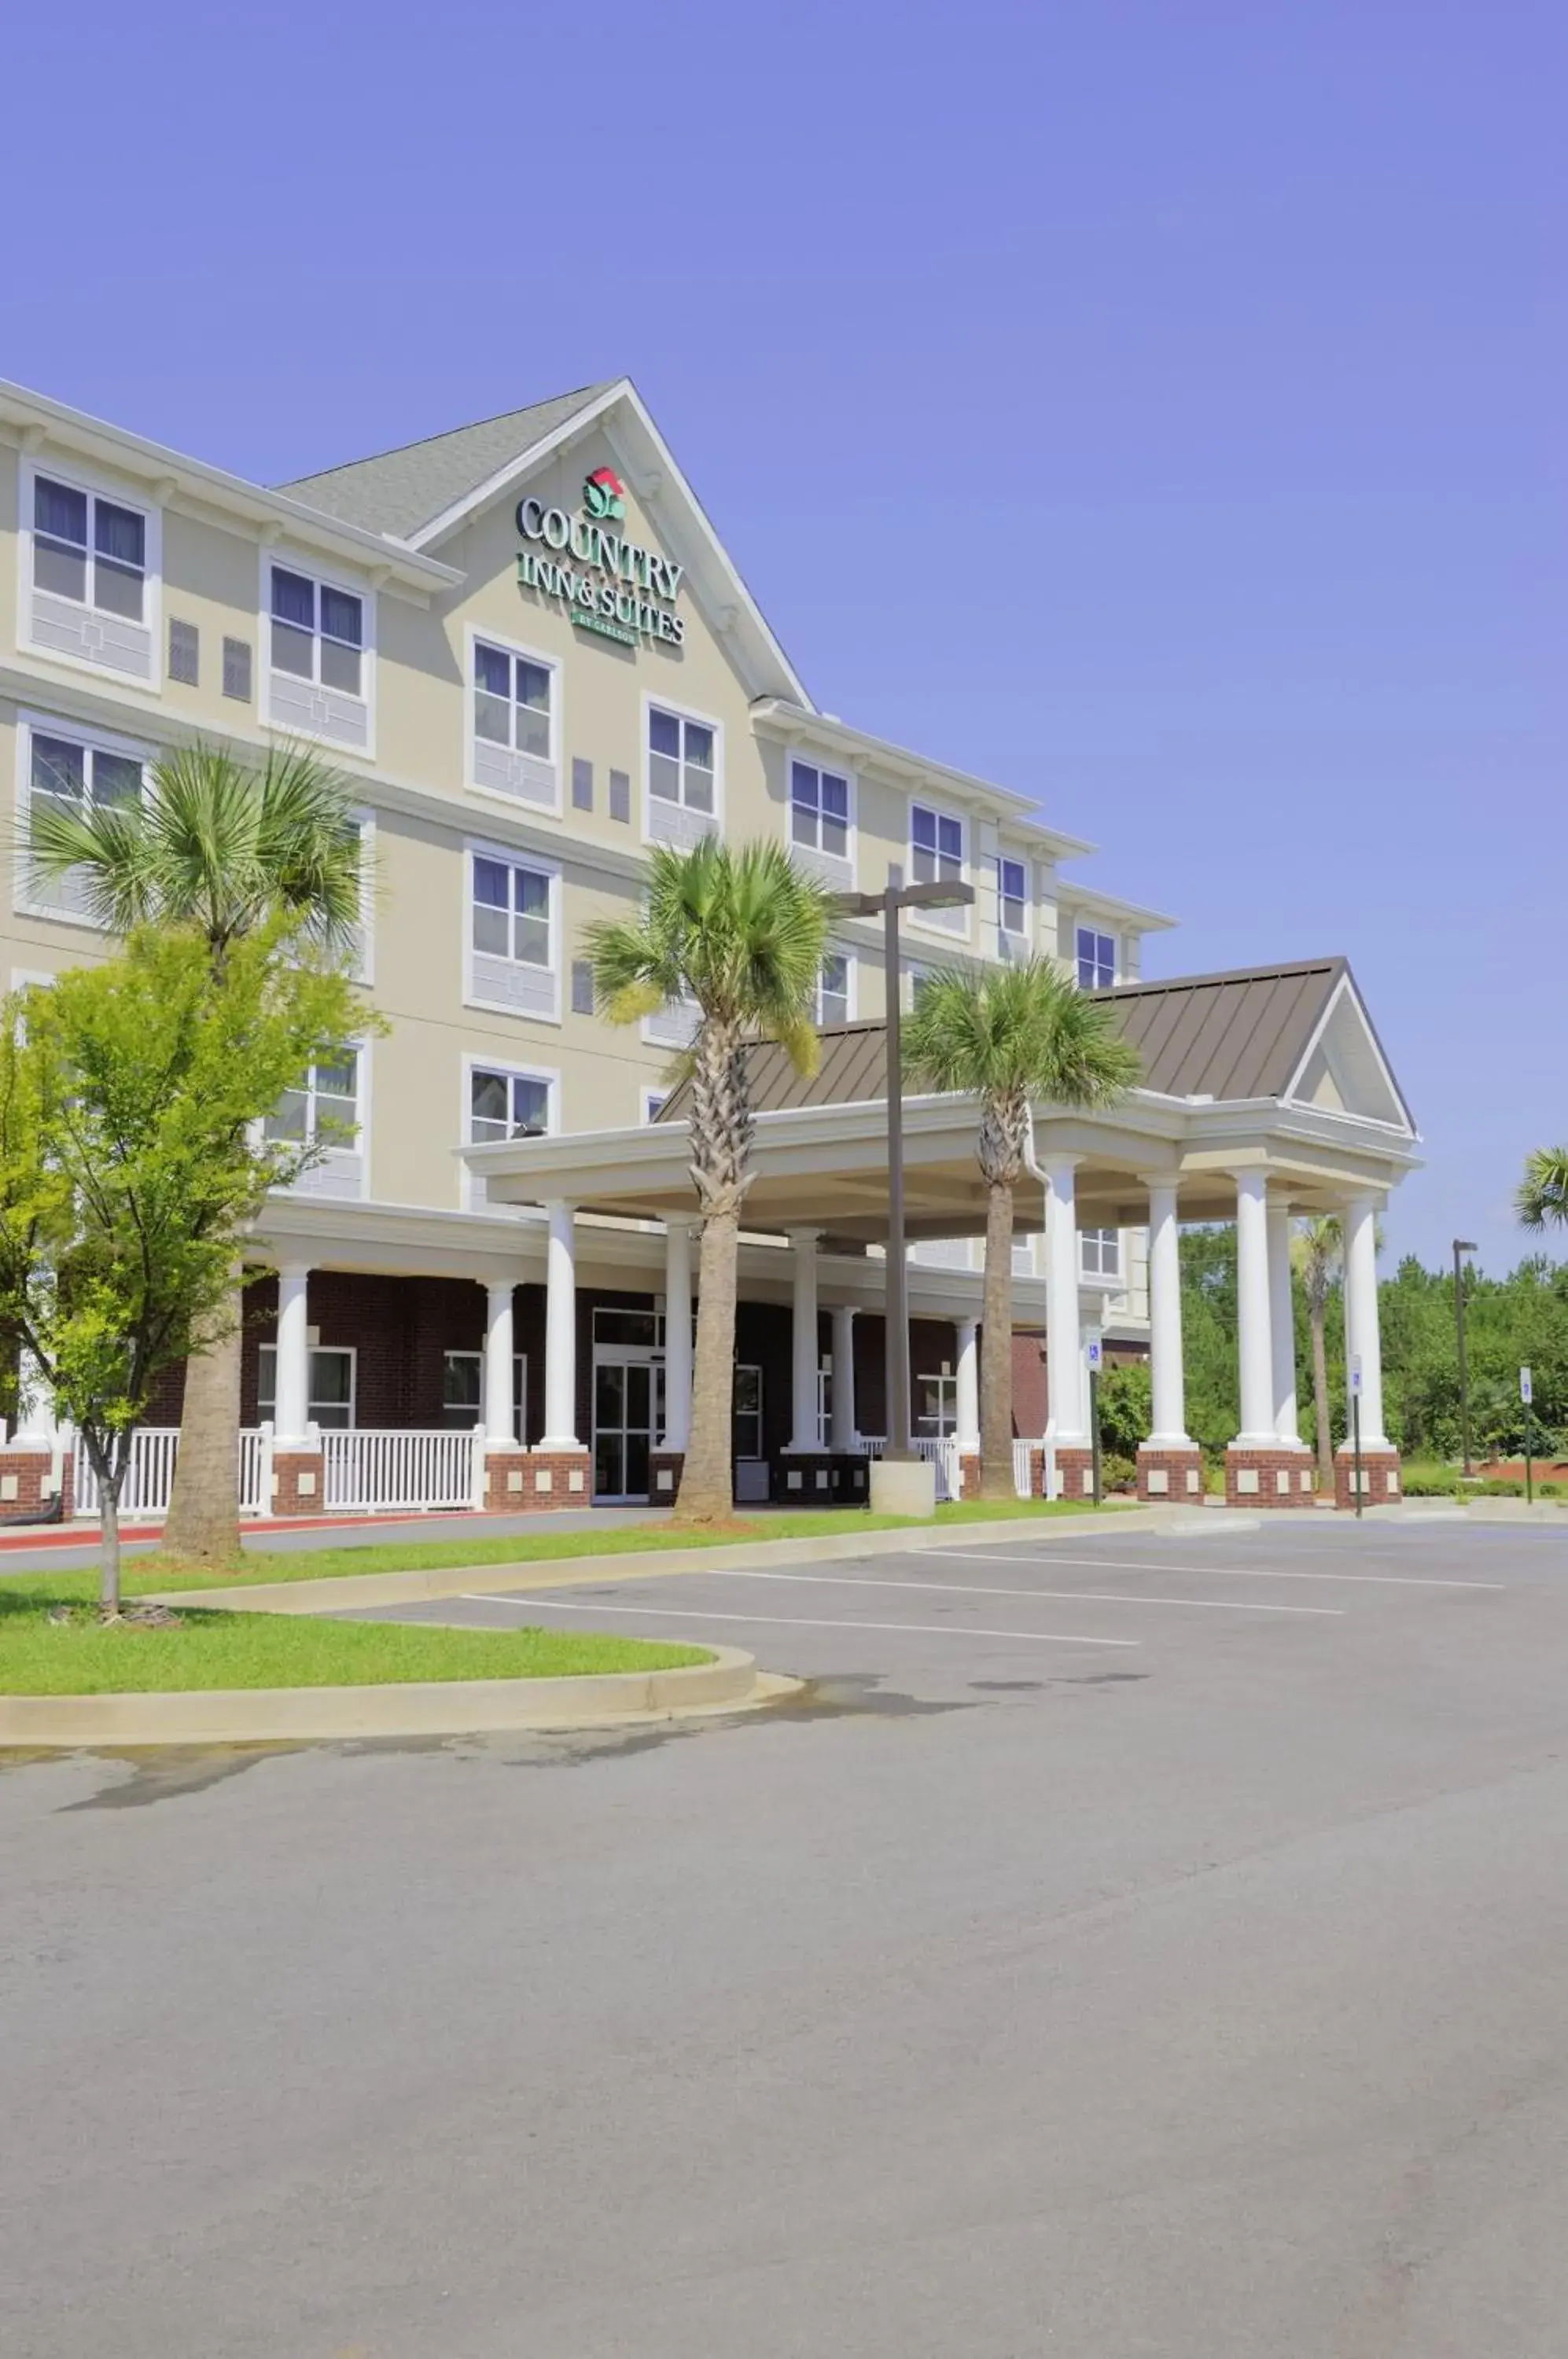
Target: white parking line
[(787, 1621), (1057, 1596), (1218, 1572)]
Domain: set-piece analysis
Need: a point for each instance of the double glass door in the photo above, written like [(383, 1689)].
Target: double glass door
[(629, 1418)]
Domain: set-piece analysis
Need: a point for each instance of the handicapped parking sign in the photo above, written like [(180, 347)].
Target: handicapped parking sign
[(1095, 1353), (1527, 1386)]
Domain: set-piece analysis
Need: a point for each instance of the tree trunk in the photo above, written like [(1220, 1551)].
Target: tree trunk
[(707, 1480), (110, 1478), (1320, 1399), (997, 1349), (203, 1521)]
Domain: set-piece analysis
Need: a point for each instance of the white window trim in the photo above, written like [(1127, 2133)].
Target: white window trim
[(1114, 1277), (553, 665), (917, 918), (654, 703), (519, 1388), (817, 762), (837, 950), (360, 1140), (474, 847), (1005, 932), (1092, 926), (75, 732), (347, 1351), (515, 1070), (81, 479), (291, 561)]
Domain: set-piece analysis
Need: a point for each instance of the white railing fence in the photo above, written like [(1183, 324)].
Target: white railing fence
[(1021, 1467), (943, 1454), (370, 1469), (150, 1478)]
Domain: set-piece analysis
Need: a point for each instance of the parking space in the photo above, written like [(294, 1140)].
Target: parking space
[(928, 1621)]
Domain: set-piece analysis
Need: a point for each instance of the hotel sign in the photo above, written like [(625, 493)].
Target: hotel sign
[(607, 583)]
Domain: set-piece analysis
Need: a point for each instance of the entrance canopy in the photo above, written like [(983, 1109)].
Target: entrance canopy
[(1275, 1069)]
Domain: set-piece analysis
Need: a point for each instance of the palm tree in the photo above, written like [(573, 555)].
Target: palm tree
[(224, 847), (741, 935), (1008, 1036), (1317, 1249), (1542, 1193)]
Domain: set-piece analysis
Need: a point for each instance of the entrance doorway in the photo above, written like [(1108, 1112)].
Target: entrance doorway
[(628, 1417)]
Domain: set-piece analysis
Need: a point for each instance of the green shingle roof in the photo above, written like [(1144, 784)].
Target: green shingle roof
[(398, 492)]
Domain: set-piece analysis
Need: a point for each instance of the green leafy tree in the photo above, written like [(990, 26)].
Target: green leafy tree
[(1209, 1336), (1126, 1407), (1012, 1036), (740, 934), (224, 847), (131, 1159)]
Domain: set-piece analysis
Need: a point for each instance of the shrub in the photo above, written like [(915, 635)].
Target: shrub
[(1116, 1473), (1432, 1481)]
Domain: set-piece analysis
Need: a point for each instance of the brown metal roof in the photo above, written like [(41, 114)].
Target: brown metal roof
[(1208, 1035)]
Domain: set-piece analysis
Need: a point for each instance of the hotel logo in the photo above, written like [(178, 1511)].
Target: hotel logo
[(605, 495)]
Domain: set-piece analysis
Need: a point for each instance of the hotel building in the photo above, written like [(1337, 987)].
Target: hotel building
[(526, 647)]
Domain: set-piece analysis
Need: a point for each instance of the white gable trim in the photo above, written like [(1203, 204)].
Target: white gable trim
[(727, 603), (1345, 989)]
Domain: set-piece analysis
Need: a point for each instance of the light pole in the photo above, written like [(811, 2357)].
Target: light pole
[(886, 905), (1461, 1246)]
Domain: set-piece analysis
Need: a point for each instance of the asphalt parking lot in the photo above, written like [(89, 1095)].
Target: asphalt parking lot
[(1125, 1946)]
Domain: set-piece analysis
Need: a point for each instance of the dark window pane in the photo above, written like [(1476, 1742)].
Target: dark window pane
[(293, 599), (340, 667), (58, 769), (492, 881), (116, 778), (493, 670), (487, 1096), (699, 745), (341, 617), (664, 733), (121, 534), (803, 786), (60, 512), (836, 795), (61, 571)]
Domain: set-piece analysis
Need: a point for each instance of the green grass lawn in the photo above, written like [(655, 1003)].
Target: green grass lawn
[(147, 1574), (271, 1650)]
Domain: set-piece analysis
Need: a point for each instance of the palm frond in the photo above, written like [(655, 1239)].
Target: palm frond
[(1015, 1032), (1542, 1195)]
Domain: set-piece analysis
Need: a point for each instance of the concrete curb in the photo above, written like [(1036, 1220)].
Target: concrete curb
[(434, 1708), (368, 1592)]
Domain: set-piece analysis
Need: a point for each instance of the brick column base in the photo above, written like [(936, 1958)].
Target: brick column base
[(26, 1481), (553, 1478), (1075, 1469), (1267, 1478), (506, 1479), (664, 1470), (1381, 1484), (1165, 1475), (297, 1484)]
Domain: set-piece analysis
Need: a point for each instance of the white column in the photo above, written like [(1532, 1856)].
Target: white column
[(291, 1403), (1362, 1333), (560, 1331), (844, 1425), (1282, 1322), (805, 1354), (677, 1335), (1255, 1352), (1063, 1341), (36, 1420), (1166, 1381), (968, 1387), (499, 1413)]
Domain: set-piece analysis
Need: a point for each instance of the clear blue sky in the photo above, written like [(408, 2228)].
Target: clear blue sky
[(1157, 409)]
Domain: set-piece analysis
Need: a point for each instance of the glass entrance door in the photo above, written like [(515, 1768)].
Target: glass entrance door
[(628, 1417)]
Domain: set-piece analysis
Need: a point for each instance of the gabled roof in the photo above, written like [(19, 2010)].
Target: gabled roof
[(1246, 1035), (396, 492)]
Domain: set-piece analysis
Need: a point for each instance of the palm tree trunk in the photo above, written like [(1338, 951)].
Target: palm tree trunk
[(997, 1349), (203, 1520), (1320, 1399), (707, 1482)]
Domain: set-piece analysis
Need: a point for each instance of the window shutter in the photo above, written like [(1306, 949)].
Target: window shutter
[(184, 654), (621, 797), (236, 669), (581, 987), (582, 786)]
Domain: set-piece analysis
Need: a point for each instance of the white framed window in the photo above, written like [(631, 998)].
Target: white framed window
[(463, 1391), (1099, 1252), (513, 723), (502, 1101), (321, 655), (936, 857), (91, 572), (1012, 905), (328, 1108), (653, 1103), (513, 933), (673, 1026), (684, 754), (835, 989), (821, 822), (331, 1385), (65, 767), (1096, 960), (936, 1404)]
